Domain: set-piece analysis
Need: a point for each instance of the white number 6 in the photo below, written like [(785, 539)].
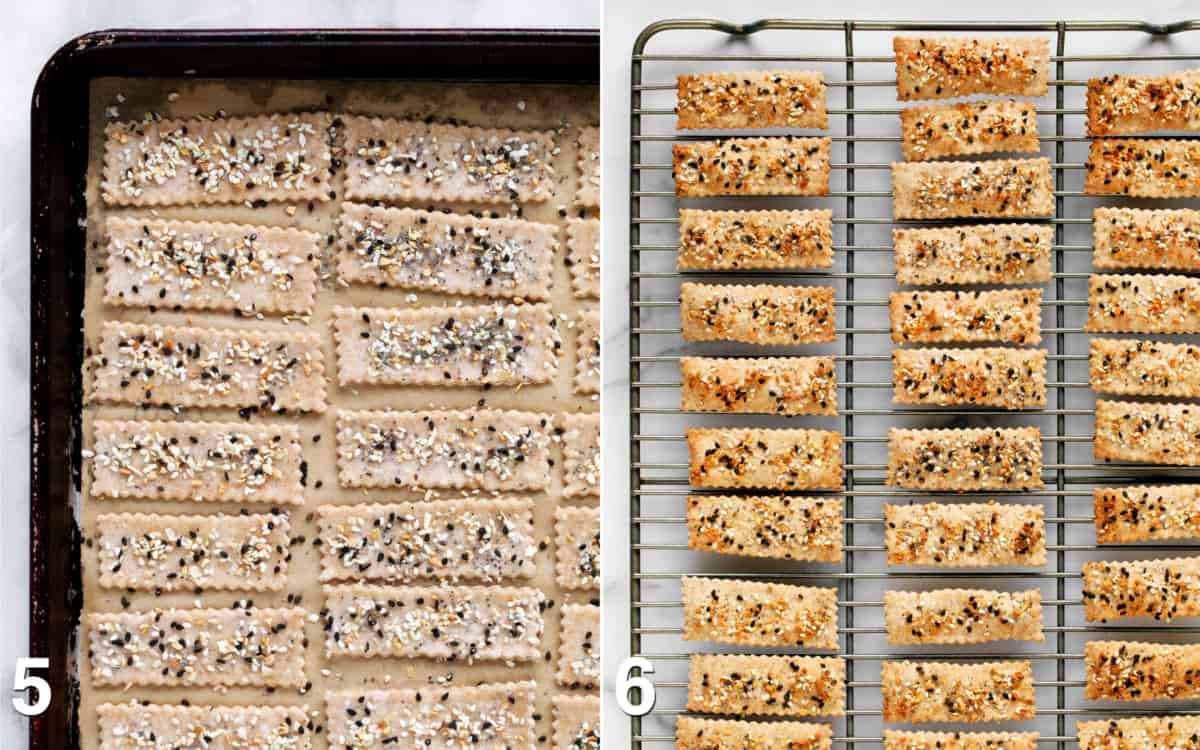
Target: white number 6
[(23, 681), (627, 683)]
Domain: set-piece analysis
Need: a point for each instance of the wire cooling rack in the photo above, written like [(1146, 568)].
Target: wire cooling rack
[(856, 59)]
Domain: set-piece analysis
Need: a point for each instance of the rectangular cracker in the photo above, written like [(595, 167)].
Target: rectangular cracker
[(157, 365), (786, 459), (1162, 589), (925, 691), (579, 647), (965, 459), (277, 157), (581, 455), (490, 716), (973, 254), (754, 240), (1143, 303), (1147, 433), (939, 67), (991, 376), (471, 538), (743, 685), (779, 165), (197, 648), (1135, 671), (756, 613), (456, 623), (762, 385), (587, 354), (1143, 168), (751, 99), (1001, 316), (408, 160), (1165, 239), (463, 345), (132, 724), (583, 257), (1004, 188), (960, 616), (757, 314), (576, 722), (442, 252), (1131, 367), (587, 161), (484, 449), (577, 548), (1138, 733), (696, 733), (187, 265), (1146, 513), (785, 527), (1129, 104), (151, 552), (965, 535), (197, 461), (968, 128), (898, 740)]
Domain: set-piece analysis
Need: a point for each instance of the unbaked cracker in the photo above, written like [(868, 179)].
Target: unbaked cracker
[(1147, 433), (939, 67), (445, 252), (755, 240), (751, 99), (1143, 168), (577, 548), (968, 128), (1002, 188), (960, 616), (489, 716), (1002, 377), (965, 459), (1129, 104), (898, 740), (197, 647), (408, 160), (197, 461), (1146, 513), (758, 613), (587, 354), (1138, 733), (277, 157), (587, 161), (783, 459), (1132, 367), (780, 165), (1002, 316), (973, 254), (463, 345), (124, 726), (583, 257), (142, 364), (483, 449), (757, 314), (1143, 303), (925, 691), (786, 527), (763, 385), (455, 623), (579, 647), (187, 265), (472, 538), (576, 722), (744, 685), (1165, 239), (151, 552), (965, 535), (1162, 589), (581, 455), (1136, 671), (696, 733)]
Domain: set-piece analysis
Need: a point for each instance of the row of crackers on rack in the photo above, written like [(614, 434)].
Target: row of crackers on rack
[(446, 579), (958, 535)]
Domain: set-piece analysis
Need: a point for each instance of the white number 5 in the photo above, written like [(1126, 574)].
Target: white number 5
[(626, 684), (23, 681)]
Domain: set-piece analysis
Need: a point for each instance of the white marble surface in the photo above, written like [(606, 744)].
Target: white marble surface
[(33, 31)]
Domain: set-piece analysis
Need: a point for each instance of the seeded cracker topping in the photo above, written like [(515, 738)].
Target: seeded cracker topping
[(750, 240), (1144, 368), (784, 527), (695, 733), (965, 535), (576, 722), (896, 740), (577, 547), (1016, 188), (949, 67), (1174, 732), (587, 353), (766, 685), (1162, 589), (448, 253), (1142, 514), (777, 459), (752, 613), (941, 130), (782, 165), (965, 459), (1139, 303), (583, 257), (1143, 168), (1167, 434), (587, 191), (407, 160), (1163, 239), (1125, 105), (1002, 316), (776, 385), (480, 539), (754, 99), (581, 455), (1001, 377), (579, 647), (975, 254), (962, 616), (136, 726), (1131, 671), (920, 692), (757, 314)]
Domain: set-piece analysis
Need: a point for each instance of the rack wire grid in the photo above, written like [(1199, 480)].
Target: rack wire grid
[(856, 58)]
